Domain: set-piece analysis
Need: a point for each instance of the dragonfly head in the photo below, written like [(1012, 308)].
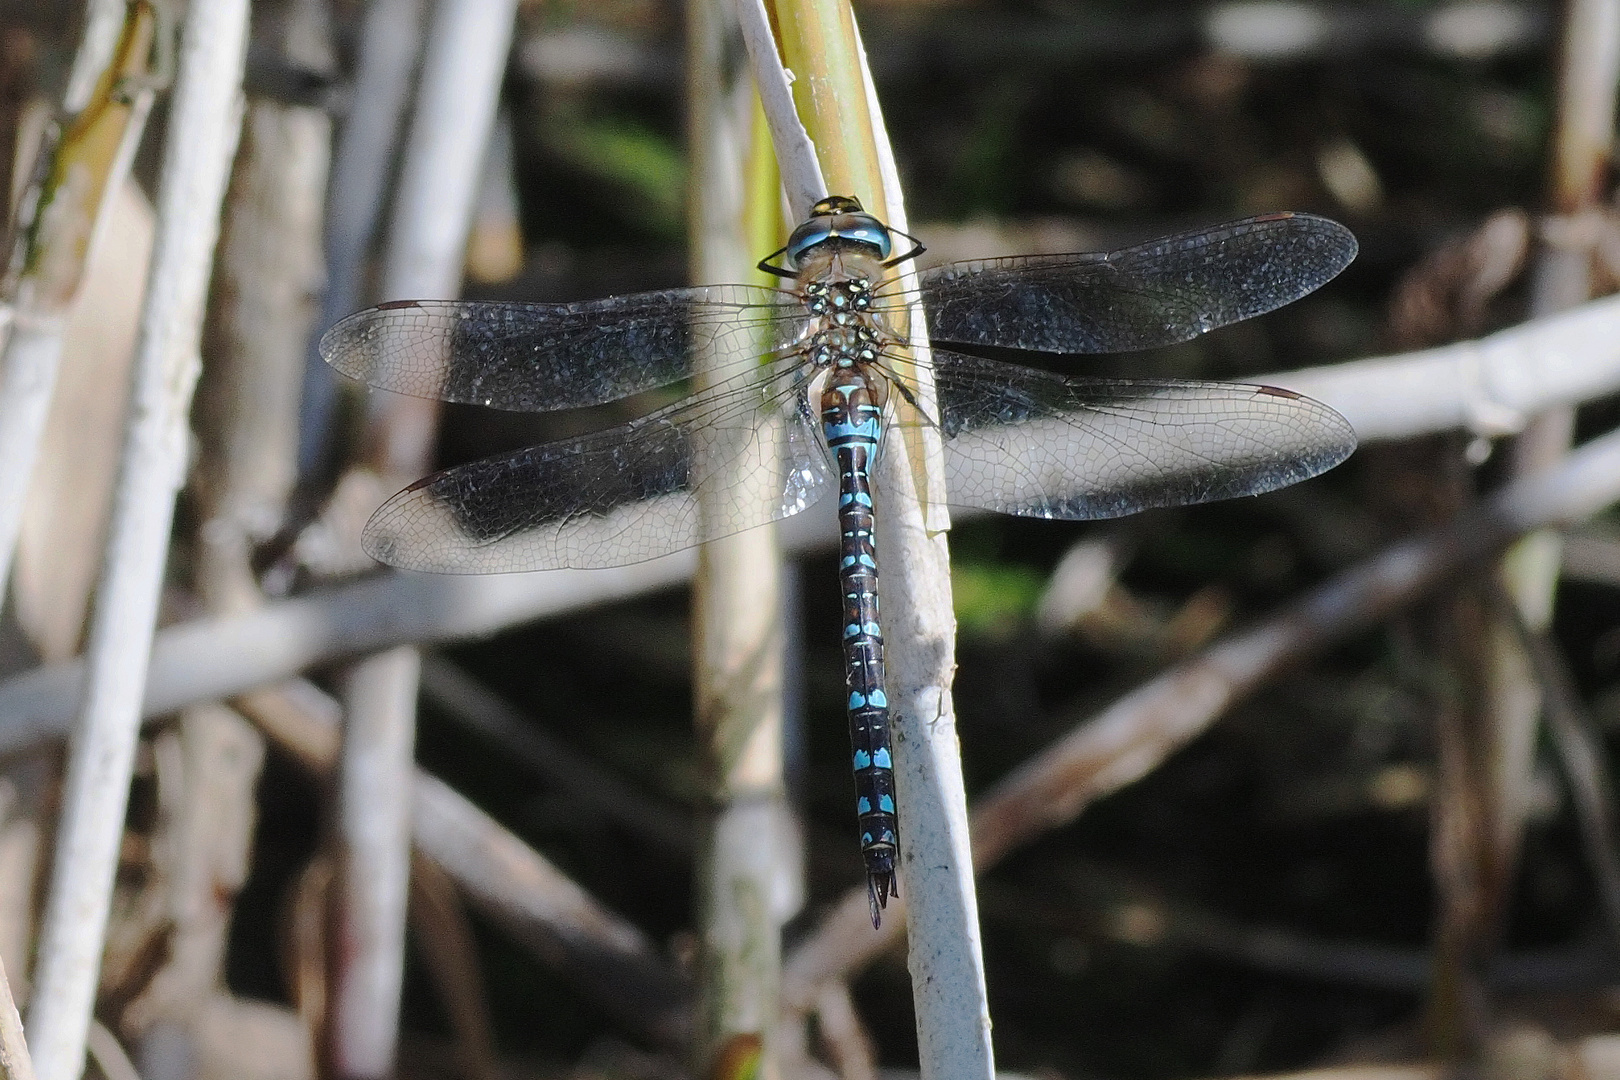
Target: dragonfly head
[(838, 220)]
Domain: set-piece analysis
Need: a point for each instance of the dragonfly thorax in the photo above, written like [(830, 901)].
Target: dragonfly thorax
[(844, 346), (841, 300)]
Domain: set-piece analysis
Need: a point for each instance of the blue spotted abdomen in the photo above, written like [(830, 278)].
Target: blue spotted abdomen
[(852, 419)]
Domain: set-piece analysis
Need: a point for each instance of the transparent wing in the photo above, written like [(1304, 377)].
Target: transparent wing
[(539, 357), (742, 454), (1029, 442), (1158, 293)]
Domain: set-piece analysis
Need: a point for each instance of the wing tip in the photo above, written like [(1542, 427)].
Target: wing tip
[(1330, 451), (1335, 246), (1332, 238), (346, 344), (386, 536)]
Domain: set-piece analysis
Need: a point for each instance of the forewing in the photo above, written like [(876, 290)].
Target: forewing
[(1029, 442), (737, 456), (539, 357), (1158, 293)]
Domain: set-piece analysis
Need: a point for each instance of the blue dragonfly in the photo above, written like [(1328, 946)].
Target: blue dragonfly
[(802, 383)]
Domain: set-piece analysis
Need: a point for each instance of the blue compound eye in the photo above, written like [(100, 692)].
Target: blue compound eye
[(849, 228), (811, 233), (866, 229)]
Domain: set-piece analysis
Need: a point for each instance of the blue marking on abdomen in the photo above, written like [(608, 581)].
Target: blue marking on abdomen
[(866, 431)]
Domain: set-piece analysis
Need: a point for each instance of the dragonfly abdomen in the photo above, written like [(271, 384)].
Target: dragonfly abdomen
[(852, 421)]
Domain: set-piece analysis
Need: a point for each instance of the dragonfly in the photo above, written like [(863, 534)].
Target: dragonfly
[(801, 382)]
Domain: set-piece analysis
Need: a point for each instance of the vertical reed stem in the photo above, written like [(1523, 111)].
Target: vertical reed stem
[(834, 92), (462, 66), (747, 876), (203, 127), (1588, 79), (87, 167)]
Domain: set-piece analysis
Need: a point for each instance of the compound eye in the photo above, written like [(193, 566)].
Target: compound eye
[(815, 231), (866, 229), (853, 227)]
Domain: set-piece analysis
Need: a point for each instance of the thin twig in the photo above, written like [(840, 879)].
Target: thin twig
[(1578, 744), (221, 657), (269, 270), (462, 66), (1109, 904), (1463, 858), (203, 127), (550, 914), (443, 937), (1471, 28), (1588, 80)]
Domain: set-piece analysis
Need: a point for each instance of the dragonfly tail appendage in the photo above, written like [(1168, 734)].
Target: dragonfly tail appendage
[(880, 885)]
